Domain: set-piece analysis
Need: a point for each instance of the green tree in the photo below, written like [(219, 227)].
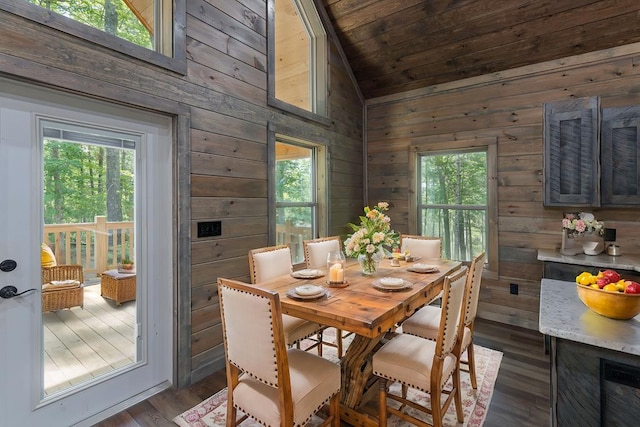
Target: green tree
[(111, 16)]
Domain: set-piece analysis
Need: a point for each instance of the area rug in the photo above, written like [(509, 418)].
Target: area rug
[(475, 403)]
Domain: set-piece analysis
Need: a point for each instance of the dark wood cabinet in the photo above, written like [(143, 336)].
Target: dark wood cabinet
[(591, 156), (620, 156), (571, 152)]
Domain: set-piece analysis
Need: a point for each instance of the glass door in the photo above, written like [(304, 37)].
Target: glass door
[(87, 183)]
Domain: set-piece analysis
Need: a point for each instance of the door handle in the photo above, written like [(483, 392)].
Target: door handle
[(11, 291)]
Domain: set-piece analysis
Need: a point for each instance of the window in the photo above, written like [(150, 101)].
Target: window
[(456, 201), (299, 194), (297, 58), (147, 25)]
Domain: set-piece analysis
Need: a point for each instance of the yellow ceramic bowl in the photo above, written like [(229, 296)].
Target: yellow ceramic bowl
[(615, 305)]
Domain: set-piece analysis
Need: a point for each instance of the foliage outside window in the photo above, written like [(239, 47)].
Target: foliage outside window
[(296, 202), (144, 23), (298, 56), (88, 172), (453, 201)]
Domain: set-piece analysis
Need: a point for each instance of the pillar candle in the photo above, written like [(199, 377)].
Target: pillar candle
[(336, 273)]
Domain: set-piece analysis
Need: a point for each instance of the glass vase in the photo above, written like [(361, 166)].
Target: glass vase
[(369, 263)]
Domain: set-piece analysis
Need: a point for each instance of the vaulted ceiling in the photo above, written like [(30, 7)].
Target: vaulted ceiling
[(399, 45)]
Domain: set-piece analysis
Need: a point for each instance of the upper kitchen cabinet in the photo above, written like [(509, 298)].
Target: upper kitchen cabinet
[(571, 152), (620, 156)]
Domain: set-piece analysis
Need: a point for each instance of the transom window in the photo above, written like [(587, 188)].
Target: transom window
[(453, 201), (297, 57), (142, 29)]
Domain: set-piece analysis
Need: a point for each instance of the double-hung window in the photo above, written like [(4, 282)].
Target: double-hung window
[(453, 201), (299, 193)]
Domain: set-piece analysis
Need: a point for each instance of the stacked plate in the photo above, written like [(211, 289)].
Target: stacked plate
[(307, 292), (423, 268), (307, 274), (391, 284)]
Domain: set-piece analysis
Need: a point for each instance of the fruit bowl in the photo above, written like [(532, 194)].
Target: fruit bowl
[(615, 305)]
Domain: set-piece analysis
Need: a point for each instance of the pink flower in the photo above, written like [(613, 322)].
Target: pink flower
[(580, 226)]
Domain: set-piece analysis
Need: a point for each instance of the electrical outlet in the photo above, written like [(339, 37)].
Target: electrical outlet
[(513, 289), (209, 228)]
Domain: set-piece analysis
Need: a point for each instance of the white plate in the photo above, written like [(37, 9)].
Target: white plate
[(392, 282), (405, 285), (423, 268), (291, 293), (307, 274), (309, 290)]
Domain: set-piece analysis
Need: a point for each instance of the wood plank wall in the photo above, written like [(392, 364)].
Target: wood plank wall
[(507, 106), (225, 91)]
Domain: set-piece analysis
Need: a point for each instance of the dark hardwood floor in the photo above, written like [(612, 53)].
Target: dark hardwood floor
[(521, 396)]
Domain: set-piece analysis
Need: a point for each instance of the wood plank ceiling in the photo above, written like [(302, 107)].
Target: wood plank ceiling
[(399, 45)]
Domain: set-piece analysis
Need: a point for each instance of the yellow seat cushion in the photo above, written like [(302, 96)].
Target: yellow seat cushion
[(47, 258)]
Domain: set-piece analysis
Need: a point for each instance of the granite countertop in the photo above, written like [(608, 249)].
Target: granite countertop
[(563, 315), (622, 262)]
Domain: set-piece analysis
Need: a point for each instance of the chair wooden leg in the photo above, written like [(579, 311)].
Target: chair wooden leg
[(231, 410), (319, 337), (472, 366), (382, 403), (436, 406), (457, 396), (334, 410), (339, 342)]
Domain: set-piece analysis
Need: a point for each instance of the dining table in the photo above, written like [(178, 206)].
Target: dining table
[(362, 304)]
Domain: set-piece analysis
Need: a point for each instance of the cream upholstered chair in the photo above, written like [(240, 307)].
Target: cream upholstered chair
[(273, 261), (421, 246), (425, 322), (315, 256), (316, 250), (273, 385), (425, 364)]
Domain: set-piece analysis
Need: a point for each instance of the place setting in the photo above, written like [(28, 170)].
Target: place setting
[(423, 268), (307, 273), (391, 284), (307, 292)]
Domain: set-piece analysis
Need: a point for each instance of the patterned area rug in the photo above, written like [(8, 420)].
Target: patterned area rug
[(475, 403)]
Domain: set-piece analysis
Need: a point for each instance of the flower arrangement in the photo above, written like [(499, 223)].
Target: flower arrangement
[(371, 236), (578, 224)]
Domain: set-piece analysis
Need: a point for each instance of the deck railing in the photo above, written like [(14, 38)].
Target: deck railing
[(97, 246)]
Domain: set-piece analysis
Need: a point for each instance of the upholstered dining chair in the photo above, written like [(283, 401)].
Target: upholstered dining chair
[(274, 385), (421, 246), (315, 256), (426, 321), (273, 261), (425, 364)]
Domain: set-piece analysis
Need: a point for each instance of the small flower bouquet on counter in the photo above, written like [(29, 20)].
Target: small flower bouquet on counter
[(581, 223), (579, 226)]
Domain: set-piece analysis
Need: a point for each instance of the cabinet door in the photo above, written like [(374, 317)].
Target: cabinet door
[(620, 156), (571, 148)]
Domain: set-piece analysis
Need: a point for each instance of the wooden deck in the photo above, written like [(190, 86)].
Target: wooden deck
[(84, 343)]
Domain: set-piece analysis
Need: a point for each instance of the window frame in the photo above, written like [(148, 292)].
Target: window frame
[(176, 63), (482, 144), (319, 65), (319, 182)]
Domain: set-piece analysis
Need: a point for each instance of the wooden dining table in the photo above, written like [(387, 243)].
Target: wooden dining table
[(369, 312)]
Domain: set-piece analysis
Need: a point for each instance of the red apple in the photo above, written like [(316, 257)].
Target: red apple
[(612, 275), (632, 287), (602, 282)]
